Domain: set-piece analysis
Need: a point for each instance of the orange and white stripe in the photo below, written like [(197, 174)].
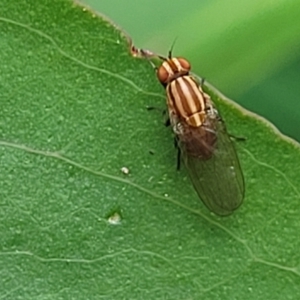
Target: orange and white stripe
[(185, 97)]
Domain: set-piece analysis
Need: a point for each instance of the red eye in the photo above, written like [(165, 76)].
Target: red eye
[(162, 74), (184, 63)]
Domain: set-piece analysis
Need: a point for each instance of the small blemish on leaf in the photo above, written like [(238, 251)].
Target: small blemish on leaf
[(115, 219), (125, 170)]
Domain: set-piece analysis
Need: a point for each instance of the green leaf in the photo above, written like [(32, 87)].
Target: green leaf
[(73, 226)]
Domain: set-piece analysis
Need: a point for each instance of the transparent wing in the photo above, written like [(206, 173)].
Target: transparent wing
[(213, 165)]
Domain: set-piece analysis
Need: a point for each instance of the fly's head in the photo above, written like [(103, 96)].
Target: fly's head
[(172, 68)]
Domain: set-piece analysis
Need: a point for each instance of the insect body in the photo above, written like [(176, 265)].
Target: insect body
[(201, 138)]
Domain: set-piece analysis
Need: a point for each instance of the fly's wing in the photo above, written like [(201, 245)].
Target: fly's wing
[(213, 165)]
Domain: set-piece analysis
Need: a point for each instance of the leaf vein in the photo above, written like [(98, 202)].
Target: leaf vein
[(79, 62)]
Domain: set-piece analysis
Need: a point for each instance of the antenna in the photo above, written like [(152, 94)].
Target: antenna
[(170, 51), (172, 46)]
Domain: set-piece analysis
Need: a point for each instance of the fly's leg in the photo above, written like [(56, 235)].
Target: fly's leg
[(178, 153), (168, 122), (237, 138), (178, 158), (164, 113), (231, 136), (202, 82)]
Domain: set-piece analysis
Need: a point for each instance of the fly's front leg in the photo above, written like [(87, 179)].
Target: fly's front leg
[(167, 121)]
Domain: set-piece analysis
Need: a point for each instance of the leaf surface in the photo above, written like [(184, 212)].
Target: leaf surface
[(73, 113)]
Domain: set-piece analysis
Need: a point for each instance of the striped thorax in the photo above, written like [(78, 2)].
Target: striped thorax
[(185, 96)]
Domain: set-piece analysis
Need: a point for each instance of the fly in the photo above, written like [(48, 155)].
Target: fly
[(201, 138)]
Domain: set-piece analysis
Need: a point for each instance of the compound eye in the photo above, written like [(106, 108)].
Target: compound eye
[(162, 75), (184, 63)]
